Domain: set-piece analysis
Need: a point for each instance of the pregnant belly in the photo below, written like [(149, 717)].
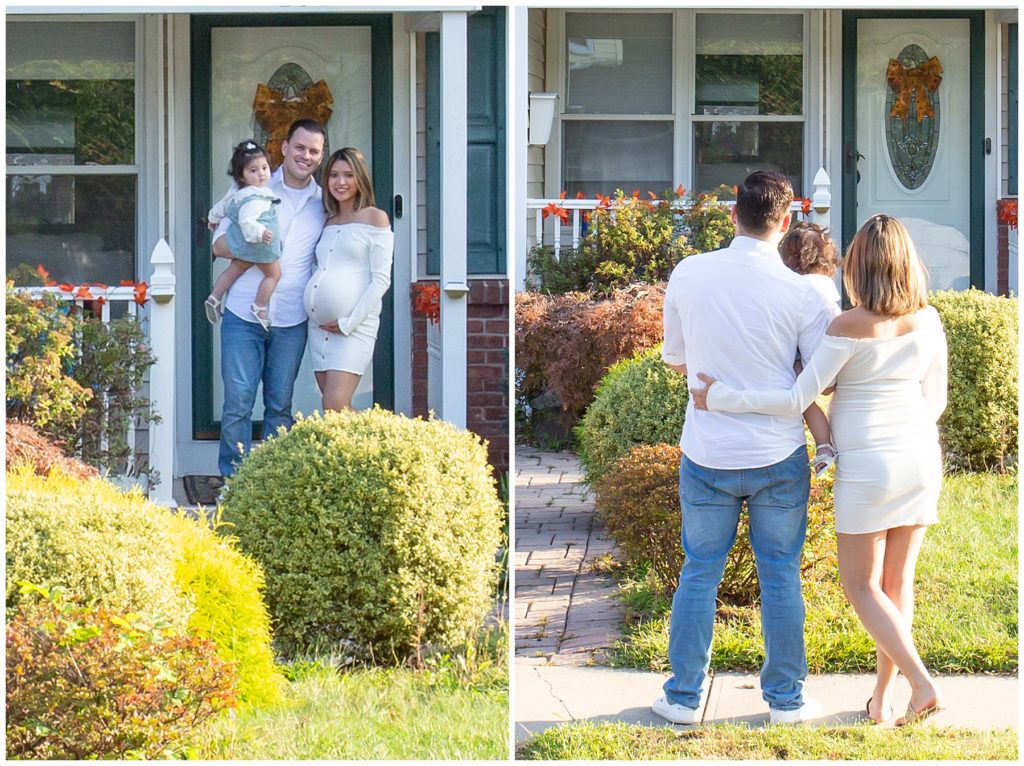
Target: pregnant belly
[(333, 293)]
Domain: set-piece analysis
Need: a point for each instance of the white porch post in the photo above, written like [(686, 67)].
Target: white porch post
[(454, 289), (519, 27), (821, 200), (161, 375)]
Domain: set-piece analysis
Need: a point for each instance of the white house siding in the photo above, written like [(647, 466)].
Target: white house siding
[(535, 156)]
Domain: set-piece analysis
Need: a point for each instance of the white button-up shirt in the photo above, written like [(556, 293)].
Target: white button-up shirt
[(741, 316), (300, 217)]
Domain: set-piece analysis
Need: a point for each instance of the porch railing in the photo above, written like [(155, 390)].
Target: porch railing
[(158, 324), (551, 232)]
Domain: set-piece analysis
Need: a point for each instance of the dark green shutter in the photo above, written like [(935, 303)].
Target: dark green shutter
[(1011, 108)]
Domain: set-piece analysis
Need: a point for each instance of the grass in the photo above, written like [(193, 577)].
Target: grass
[(965, 619), (453, 708), (618, 741)]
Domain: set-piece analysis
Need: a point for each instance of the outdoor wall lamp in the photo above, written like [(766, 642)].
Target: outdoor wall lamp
[(542, 117), (455, 289)]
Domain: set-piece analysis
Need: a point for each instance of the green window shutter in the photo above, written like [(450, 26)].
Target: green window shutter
[(1011, 108), (486, 219)]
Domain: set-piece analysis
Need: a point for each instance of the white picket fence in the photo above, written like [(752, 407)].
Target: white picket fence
[(157, 318)]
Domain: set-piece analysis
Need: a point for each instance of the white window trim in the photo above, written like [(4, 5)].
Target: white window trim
[(146, 145), (683, 64)]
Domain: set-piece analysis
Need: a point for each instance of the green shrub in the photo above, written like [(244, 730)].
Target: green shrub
[(377, 533), (639, 401), (638, 501), (119, 551), (226, 587), (92, 683), (631, 239), (979, 427), (566, 343), (112, 549), (39, 353)]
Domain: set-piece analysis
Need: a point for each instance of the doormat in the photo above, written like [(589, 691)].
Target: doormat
[(198, 490)]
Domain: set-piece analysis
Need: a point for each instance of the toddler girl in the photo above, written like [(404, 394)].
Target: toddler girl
[(253, 237), (808, 250)]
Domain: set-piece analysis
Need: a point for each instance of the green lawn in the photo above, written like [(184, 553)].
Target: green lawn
[(966, 614), (619, 741), (371, 714)]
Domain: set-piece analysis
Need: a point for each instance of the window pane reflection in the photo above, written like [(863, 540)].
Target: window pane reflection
[(80, 228), (601, 157), (725, 152)]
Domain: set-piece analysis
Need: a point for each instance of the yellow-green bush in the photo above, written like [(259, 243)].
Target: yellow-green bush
[(109, 548), (226, 587), (979, 427), (120, 551), (376, 532), (639, 401)]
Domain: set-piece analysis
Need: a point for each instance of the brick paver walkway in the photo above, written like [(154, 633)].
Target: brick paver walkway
[(566, 613)]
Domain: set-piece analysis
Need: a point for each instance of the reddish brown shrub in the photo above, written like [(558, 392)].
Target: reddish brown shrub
[(638, 501), (566, 343), (91, 683), (26, 445)]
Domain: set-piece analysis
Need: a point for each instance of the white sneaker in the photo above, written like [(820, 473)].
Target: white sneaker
[(810, 710), (673, 712)]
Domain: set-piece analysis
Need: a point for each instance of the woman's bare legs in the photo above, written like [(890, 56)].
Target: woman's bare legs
[(862, 570), (337, 388), (902, 544)]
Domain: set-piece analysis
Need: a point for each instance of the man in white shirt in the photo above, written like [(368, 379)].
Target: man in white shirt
[(249, 354), (741, 316)]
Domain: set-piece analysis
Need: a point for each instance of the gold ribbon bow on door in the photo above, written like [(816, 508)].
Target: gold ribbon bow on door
[(916, 83), (276, 112)]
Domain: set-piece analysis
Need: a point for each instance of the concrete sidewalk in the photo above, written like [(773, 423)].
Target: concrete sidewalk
[(547, 696)]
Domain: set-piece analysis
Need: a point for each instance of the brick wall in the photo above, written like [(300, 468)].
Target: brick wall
[(487, 327), (1002, 258)]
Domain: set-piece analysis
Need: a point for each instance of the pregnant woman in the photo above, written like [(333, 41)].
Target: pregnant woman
[(887, 357), (343, 298)]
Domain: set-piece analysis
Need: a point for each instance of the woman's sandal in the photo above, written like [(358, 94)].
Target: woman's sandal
[(885, 719), (214, 308), (824, 457), (262, 314), (916, 716)]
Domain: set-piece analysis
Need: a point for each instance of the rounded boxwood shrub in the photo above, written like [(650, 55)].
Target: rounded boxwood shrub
[(979, 427), (639, 401), (377, 533), (638, 501), (119, 551)]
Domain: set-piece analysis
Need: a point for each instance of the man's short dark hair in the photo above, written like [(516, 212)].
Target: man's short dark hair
[(762, 201), (311, 125)]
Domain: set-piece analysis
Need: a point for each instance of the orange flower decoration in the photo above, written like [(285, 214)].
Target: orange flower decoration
[(680, 190), (140, 293), (83, 293), (1006, 212), (427, 300), (557, 210), (45, 276), (805, 204)]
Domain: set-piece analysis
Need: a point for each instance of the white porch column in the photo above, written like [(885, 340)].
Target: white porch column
[(821, 200), (454, 288), (162, 373), (518, 101)]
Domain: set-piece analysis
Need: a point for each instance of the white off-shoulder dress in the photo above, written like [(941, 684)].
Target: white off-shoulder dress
[(889, 395), (353, 271)]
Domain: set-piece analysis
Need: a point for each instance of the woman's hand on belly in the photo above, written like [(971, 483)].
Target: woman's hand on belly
[(331, 326)]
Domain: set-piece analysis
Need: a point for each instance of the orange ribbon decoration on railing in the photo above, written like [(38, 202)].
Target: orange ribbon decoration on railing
[(914, 83), (276, 112)]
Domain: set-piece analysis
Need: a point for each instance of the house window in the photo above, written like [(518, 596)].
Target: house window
[(748, 97), (617, 123), (646, 108), (72, 177)]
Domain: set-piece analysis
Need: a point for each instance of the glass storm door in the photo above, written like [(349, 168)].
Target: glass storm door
[(911, 150), (252, 77)]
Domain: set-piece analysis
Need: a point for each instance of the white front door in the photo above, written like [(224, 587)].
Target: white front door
[(912, 143)]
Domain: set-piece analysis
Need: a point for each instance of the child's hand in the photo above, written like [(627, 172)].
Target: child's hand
[(268, 237), (211, 226)]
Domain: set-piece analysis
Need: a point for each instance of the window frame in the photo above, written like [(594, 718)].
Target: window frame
[(140, 149), (683, 117)]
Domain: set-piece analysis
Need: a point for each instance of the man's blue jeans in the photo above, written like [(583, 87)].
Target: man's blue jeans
[(776, 497), (248, 355)]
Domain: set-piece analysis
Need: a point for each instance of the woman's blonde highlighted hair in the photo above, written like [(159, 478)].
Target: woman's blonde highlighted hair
[(881, 270), (361, 172)]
